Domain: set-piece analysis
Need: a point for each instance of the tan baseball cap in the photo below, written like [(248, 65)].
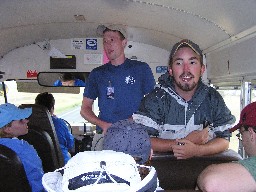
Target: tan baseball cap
[(190, 44), (119, 28)]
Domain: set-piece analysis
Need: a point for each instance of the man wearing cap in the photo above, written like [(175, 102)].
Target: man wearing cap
[(188, 117), (236, 176), (119, 85), (13, 123)]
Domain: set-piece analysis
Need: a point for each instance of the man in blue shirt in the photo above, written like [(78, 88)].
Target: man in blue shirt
[(65, 138), (13, 123), (119, 85)]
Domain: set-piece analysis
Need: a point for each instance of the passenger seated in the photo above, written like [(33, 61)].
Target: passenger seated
[(66, 139), (13, 123), (236, 176), (68, 79)]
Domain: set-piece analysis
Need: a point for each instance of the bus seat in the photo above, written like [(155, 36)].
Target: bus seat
[(41, 120), (12, 174), (43, 144), (176, 174)]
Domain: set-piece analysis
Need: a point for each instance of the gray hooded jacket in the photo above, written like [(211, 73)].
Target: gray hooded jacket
[(174, 118)]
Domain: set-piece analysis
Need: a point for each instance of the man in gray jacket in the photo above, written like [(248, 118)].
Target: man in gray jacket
[(189, 117)]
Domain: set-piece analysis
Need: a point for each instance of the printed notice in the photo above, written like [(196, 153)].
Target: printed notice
[(77, 44), (93, 59)]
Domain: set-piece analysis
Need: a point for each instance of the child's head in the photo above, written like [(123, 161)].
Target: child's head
[(13, 120)]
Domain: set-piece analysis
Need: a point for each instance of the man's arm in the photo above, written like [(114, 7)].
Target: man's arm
[(226, 177), (88, 114), (162, 145), (195, 144), (66, 137), (190, 149), (165, 145)]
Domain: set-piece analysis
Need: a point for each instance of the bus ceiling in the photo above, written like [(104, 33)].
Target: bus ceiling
[(40, 39)]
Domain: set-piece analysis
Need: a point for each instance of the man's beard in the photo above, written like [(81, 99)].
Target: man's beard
[(186, 86)]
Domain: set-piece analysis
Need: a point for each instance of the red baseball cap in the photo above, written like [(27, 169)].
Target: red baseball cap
[(247, 117)]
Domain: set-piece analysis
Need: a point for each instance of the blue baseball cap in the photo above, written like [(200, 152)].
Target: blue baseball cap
[(9, 113), (128, 137)]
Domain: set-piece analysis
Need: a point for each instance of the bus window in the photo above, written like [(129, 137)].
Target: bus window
[(67, 105), (254, 93), (232, 100)]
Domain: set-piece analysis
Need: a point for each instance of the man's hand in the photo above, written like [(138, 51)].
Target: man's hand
[(184, 149), (198, 137), (105, 127)]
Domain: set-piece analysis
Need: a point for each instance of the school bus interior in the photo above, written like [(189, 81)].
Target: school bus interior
[(42, 39)]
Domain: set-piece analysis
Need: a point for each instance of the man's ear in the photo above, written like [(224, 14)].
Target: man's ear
[(170, 70), (252, 133), (8, 130), (202, 69), (52, 110), (124, 43)]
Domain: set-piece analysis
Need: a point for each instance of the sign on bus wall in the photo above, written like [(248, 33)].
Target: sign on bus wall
[(161, 69)]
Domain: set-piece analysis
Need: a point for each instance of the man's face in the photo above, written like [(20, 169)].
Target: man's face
[(186, 70), (247, 140), (113, 45), (68, 83)]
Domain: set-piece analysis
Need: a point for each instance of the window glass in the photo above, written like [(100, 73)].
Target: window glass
[(232, 100), (254, 93), (67, 105)]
